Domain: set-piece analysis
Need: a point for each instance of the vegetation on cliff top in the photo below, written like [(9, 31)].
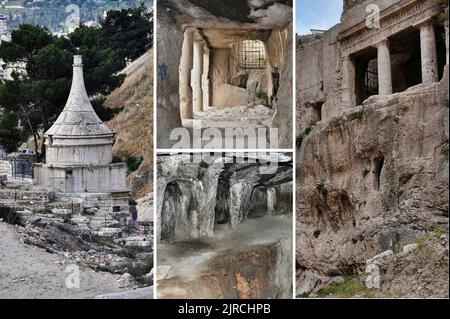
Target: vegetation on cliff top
[(32, 100)]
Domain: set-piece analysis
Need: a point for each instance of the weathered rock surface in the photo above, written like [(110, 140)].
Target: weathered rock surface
[(228, 96), (225, 224), (225, 86), (371, 179), (191, 192)]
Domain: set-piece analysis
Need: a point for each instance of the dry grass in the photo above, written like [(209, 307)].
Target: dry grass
[(134, 125)]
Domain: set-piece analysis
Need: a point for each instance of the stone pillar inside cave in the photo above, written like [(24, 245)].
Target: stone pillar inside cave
[(197, 73), (384, 68), (205, 78), (185, 75), (428, 53)]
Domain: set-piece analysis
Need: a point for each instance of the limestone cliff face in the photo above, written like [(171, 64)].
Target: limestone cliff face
[(372, 168), (372, 179)]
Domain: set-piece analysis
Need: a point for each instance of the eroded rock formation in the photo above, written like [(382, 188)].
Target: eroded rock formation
[(224, 225), (372, 176)]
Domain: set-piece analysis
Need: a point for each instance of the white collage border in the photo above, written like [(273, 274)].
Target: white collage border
[(156, 150)]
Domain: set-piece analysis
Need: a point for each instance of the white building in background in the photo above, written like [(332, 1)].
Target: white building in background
[(6, 70), (5, 35), (79, 151)]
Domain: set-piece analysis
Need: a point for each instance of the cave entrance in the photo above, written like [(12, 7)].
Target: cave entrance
[(170, 209), (405, 60), (222, 209), (258, 202), (378, 165), (366, 74), (316, 112), (224, 71), (441, 49)]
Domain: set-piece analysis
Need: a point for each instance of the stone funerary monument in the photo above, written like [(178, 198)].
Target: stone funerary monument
[(79, 153)]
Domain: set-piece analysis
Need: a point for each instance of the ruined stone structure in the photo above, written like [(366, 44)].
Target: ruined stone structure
[(234, 216), (380, 53), (79, 153), (372, 143), (214, 56)]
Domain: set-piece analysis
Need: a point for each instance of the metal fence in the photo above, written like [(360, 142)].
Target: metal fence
[(252, 55), (2, 153), (21, 168)]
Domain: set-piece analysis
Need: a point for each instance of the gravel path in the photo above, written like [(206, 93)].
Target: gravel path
[(28, 272)]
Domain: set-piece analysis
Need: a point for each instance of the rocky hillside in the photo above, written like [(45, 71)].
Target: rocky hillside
[(134, 124), (372, 181)]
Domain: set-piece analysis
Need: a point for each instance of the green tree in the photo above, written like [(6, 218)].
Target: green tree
[(128, 31), (10, 135), (25, 43)]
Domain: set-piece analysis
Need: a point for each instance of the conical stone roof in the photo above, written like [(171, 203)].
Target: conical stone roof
[(78, 117)]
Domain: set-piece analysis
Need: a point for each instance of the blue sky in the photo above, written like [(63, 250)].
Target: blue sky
[(317, 14)]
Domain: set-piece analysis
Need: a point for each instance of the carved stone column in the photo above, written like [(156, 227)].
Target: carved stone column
[(348, 82), (185, 75), (197, 73), (384, 68), (428, 53)]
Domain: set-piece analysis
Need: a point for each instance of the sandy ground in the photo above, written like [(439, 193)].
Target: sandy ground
[(28, 272), (191, 260)]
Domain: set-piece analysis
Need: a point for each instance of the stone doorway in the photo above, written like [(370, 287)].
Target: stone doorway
[(366, 74), (224, 74), (405, 60)]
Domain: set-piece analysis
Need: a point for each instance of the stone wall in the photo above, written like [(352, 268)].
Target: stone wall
[(326, 70), (92, 179), (319, 77)]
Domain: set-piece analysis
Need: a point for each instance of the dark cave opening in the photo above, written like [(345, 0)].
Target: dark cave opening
[(171, 206), (258, 202), (378, 168), (222, 209)]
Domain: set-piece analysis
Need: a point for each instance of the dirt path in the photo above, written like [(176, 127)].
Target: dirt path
[(29, 272)]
